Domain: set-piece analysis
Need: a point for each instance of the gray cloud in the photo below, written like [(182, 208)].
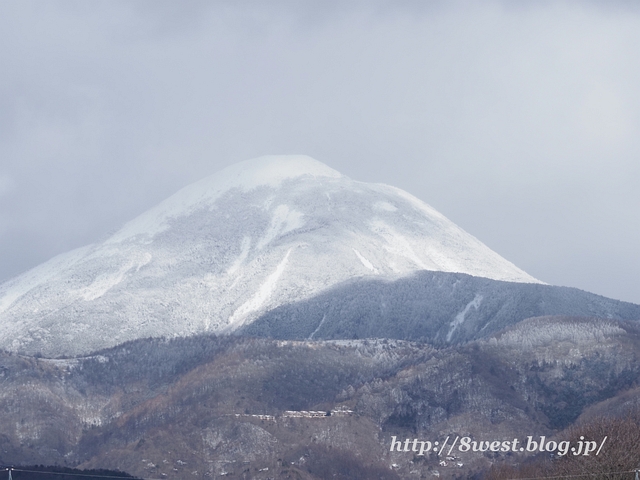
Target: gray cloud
[(520, 121)]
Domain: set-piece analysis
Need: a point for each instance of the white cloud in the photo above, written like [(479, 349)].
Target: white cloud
[(7, 185)]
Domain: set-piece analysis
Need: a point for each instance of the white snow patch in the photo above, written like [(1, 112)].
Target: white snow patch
[(244, 252), (366, 262), (105, 282), (385, 206), (324, 317), (260, 297), (397, 243), (91, 420), (475, 303), (146, 258), (541, 332), (284, 220)]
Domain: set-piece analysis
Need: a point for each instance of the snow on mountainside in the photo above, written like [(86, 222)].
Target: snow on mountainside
[(222, 251)]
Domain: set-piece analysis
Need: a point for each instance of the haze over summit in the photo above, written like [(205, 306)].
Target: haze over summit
[(220, 252)]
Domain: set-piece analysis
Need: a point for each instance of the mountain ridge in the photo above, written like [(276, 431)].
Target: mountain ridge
[(226, 404), (440, 308)]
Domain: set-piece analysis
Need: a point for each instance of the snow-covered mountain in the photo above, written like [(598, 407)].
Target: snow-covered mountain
[(220, 252)]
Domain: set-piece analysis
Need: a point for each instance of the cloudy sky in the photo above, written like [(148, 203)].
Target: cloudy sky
[(520, 121)]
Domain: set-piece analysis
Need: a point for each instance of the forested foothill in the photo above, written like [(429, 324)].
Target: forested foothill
[(618, 462), (205, 406), (48, 472)]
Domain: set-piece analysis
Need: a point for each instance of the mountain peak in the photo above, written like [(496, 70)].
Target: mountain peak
[(222, 251), (266, 171), (274, 169)]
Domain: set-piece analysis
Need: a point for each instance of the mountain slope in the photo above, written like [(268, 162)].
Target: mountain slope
[(223, 251), (436, 307)]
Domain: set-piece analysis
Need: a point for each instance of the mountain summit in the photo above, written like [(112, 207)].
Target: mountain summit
[(220, 252)]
